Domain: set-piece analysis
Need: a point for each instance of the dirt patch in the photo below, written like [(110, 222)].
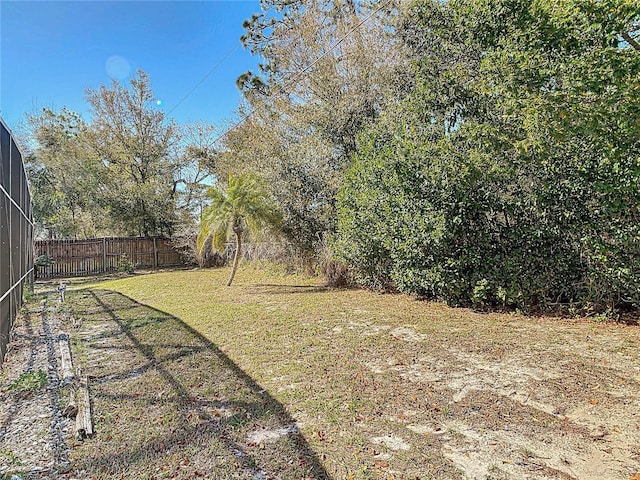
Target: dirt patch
[(391, 442), (408, 334), (270, 436), (527, 414), (34, 435)]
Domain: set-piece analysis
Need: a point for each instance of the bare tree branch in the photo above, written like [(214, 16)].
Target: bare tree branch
[(631, 41)]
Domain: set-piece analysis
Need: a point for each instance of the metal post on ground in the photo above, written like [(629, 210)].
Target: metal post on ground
[(61, 289)]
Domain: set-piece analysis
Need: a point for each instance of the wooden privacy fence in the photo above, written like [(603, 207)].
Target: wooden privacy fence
[(99, 255)]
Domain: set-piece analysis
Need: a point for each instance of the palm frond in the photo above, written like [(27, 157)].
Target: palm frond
[(244, 203)]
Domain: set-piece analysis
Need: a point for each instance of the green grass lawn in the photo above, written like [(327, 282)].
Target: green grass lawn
[(279, 377)]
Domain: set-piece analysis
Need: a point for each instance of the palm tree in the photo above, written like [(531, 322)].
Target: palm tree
[(244, 206)]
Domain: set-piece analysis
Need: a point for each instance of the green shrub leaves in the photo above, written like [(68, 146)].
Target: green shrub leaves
[(510, 176)]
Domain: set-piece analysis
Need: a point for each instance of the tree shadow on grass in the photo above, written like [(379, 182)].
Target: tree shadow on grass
[(271, 288), (168, 403)]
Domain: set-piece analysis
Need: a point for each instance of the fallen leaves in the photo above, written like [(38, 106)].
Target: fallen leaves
[(340, 437)]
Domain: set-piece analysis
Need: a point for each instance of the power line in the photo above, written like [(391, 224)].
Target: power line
[(213, 69), (282, 90)]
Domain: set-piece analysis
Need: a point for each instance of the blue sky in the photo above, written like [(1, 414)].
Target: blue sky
[(52, 51)]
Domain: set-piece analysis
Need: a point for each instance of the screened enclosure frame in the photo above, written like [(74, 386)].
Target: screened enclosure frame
[(16, 233)]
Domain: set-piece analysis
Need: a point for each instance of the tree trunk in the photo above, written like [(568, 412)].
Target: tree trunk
[(236, 258), (631, 41), (65, 357), (84, 426)]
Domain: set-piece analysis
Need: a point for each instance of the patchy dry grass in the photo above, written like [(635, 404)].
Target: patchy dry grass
[(279, 377)]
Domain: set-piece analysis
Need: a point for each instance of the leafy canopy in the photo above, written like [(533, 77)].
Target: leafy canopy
[(510, 175)]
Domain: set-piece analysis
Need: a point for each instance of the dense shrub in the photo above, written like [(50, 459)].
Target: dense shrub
[(511, 175)]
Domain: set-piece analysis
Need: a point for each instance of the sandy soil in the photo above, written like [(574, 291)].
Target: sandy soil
[(563, 404)]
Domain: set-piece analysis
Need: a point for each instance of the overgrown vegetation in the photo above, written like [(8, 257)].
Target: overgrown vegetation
[(483, 152), (509, 176), (302, 132), (29, 381), (125, 265)]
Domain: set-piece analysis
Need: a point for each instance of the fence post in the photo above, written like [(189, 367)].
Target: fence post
[(50, 264), (155, 253), (104, 254)]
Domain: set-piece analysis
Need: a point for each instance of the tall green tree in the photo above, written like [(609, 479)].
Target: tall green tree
[(328, 67), (136, 145), (63, 176), (126, 171), (243, 208)]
